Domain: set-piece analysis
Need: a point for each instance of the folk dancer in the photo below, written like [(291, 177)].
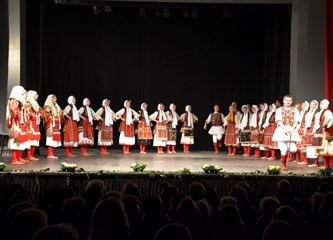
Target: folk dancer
[(216, 118), (301, 132), (173, 119), (187, 130), (245, 133), (232, 126), (52, 120), (15, 117), (287, 118), (128, 117), (35, 113), (269, 127), (323, 138), (254, 127), (262, 119), (106, 117), (307, 137), (160, 129), (86, 127), (144, 131)]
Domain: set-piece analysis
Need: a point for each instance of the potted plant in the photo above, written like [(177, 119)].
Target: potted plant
[(274, 170), (2, 166), (138, 167), (68, 167), (211, 169)]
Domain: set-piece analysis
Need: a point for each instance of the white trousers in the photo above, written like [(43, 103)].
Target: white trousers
[(283, 146)]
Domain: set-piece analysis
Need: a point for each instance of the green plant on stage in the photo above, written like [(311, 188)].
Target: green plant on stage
[(2, 166), (325, 172), (211, 169), (138, 167), (68, 167), (274, 170)]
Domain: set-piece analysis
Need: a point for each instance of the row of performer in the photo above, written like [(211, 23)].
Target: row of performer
[(302, 129)]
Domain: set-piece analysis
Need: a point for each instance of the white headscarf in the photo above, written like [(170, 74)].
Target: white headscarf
[(108, 118), (269, 114), (174, 116), (17, 94), (161, 113), (34, 104), (129, 119), (245, 117), (76, 116), (253, 120), (90, 118), (189, 116), (145, 113)]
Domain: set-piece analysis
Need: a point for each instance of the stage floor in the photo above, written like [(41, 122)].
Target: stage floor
[(117, 161)]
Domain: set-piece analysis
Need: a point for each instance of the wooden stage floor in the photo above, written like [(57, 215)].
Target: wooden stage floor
[(117, 161)]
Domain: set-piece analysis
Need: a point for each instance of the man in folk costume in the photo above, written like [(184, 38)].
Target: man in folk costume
[(323, 138), (16, 123), (33, 124), (306, 133), (216, 118), (173, 119), (232, 126), (287, 119), (86, 127), (52, 118), (254, 121), (160, 129), (245, 133), (269, 128), (106, 117), (71, 133), (145, 134), (128, 116), (262, 119), (290, 156), (187, 130)]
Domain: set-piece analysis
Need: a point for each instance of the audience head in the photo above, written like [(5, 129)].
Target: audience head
[(173, 231)]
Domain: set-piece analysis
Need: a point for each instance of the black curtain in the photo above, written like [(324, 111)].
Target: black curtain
[(240, 53), (4, 45)]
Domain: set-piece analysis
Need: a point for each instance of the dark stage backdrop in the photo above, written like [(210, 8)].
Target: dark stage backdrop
[(229, 53)]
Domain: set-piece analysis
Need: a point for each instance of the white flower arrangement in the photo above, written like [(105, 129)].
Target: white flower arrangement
[(138, 167), (2, 166), (68, 167), (211, 169)]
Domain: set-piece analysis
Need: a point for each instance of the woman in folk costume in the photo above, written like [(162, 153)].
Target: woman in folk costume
[(269, 128), (301, 132), (323, 129), (128, 116), (287, 119), (71, 133), (262, 119), (254, 123), (145, 134), (173, 119), (187, 130), (216, 119), (35, 112), (306, 133), (16, 123), (245, 133), (106, 117), (232, 126), (86, 127), (52, 117), (160, 129)]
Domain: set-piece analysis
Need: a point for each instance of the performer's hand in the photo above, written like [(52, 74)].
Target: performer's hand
[(205, 126)]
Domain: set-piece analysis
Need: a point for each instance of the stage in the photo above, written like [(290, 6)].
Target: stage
[(114, 170), (117, 161)]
